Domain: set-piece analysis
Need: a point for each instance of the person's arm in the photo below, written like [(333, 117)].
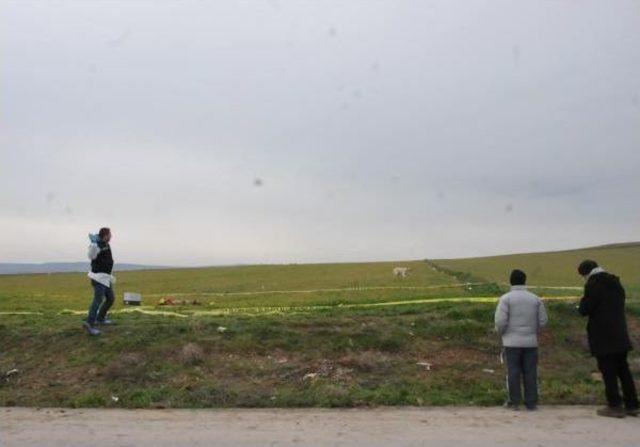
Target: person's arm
[(543, 319), (502, 316), (589, 301), (93, 251)]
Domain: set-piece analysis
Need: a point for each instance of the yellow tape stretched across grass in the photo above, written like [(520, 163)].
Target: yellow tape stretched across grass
[(147, 310), (348, 289), (269, 310), (284, 309), (306, 291)]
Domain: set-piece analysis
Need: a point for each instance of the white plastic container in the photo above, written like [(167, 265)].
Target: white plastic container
[(133, 299)]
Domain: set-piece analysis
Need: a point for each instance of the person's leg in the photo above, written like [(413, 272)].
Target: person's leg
[(98, 296), (530, 376), (514, 372), (626, 380), (109, 298), (608, 367)]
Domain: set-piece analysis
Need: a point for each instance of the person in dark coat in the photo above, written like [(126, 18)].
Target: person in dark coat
[(603, 302)]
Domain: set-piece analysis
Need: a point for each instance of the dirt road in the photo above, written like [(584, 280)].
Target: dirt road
[(551, 426)]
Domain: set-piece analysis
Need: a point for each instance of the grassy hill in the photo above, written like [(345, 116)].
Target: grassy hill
[(296, 335), (553, 268)]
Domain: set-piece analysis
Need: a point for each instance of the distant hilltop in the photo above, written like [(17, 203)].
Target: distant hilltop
[(64, 267), (619, 245)]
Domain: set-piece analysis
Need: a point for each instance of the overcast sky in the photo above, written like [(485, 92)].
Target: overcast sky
[(293, 131)]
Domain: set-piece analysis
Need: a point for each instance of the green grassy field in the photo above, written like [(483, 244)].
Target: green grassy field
[(233, 286), (296, 335)]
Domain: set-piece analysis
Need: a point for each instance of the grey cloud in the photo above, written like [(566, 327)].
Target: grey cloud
[(312, 131)]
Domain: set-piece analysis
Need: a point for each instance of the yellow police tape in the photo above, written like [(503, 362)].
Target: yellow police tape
[(267, 310)]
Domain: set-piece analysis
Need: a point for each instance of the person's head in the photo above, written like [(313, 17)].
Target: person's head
[(518, 278), (586, 267), (104, 234)]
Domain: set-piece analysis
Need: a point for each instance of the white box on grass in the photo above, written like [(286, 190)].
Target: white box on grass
[(134, 299)]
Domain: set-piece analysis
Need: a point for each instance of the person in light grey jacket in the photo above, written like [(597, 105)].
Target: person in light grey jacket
[(519, 317)]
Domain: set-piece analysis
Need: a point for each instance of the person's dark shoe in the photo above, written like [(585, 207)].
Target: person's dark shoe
[(612, 412), (90, 329), (532, 407), (510, 406), (634, 412)]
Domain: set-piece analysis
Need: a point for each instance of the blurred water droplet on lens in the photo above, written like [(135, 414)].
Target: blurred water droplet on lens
[(120, 39), (515, 53), (257, 181), (275, 4)]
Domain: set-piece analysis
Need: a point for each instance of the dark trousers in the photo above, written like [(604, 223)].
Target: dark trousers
[(103, 299), (522, 367), (614, 367)]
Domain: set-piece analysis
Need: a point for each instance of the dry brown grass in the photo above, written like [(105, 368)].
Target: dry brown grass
[(191, 354), (129, 366)]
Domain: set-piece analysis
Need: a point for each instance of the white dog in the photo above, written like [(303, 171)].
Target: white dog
[(401, 272)]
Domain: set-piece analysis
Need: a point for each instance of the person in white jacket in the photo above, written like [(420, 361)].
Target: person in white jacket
[(519, 317), (101, 279)]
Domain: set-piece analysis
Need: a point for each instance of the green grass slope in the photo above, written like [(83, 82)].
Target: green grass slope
[(553, 268)]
